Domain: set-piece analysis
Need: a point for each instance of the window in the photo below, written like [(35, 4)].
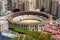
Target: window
[(14, 5), (41, 25)]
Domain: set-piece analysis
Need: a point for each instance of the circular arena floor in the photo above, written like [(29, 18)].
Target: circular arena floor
[(30, 21)]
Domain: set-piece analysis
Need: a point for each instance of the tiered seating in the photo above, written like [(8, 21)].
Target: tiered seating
[(25, 16), (18, 18), (43, 18)]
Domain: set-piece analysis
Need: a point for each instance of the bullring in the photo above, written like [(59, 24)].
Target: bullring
[(30, 20)]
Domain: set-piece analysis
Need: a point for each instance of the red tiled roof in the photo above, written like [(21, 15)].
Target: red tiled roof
[(52, 27)]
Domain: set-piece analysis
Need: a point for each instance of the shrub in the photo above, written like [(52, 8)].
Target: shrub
[(15, 10), (42, 9)]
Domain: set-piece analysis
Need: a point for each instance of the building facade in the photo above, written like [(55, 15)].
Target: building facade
[(30, 5), (45, 4), (3, 24), (37, 4), (16, 4), (55, 8), (3, 7), (58, 12), (21, 5), (9, 5)]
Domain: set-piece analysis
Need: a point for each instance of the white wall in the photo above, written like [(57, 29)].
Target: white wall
[(3, 23)]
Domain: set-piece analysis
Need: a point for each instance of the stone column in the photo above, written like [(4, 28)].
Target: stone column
[(34, 28), (38, 27), (19, 25), (29, 27)]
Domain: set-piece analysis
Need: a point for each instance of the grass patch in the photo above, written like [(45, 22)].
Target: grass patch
[(21, 30)]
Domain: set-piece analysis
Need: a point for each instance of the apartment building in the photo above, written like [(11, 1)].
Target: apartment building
[(16, 4), (30, 5), (3, 7), (9, 5), (55, 8), (3, 24), (45, 4)]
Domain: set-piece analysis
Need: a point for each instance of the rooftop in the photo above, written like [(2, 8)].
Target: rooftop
[(53, 30), (1, 0)]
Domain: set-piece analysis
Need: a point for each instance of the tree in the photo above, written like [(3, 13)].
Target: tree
[(16, 38), (21, 37), (50, 37), (42, 9), (27, 38), (54, 17), (15, 10)]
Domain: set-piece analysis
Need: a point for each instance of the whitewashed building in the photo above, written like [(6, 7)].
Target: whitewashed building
[(3, 24), (3, 7)]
